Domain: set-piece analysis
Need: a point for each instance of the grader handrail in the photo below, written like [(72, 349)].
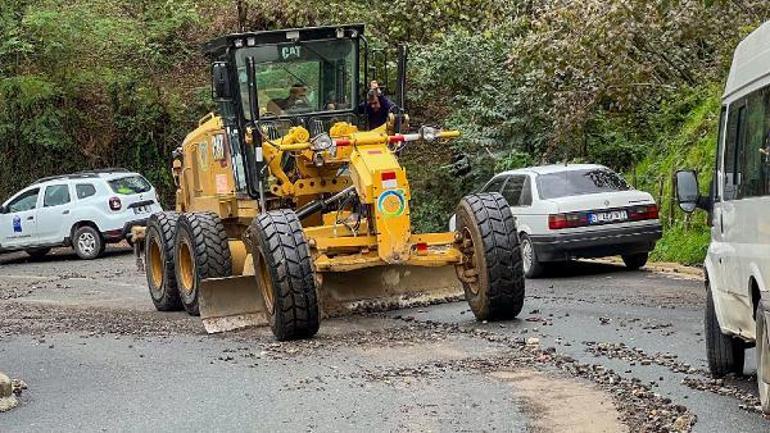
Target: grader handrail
[(370, 140)]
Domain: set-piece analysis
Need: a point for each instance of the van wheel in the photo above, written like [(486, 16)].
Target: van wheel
[(725, 353), (87, 243), (159, 258), (635, 261), (201, 251), (38, 253), (763, 362), (533, 268), (284, 271), (491, 269)]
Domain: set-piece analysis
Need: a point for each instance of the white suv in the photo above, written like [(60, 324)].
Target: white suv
[(568, 211), (84, 210)]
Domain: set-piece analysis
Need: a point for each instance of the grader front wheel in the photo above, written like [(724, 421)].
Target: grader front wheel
[(201, 252), (491, 270), (284, 274)]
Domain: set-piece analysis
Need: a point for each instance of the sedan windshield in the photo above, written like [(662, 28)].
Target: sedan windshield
[(579, 182)]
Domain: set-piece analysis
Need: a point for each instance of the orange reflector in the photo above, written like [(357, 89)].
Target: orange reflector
[(388, 175), (422, 248)]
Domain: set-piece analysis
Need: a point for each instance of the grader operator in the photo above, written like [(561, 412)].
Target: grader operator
[(286, 211)]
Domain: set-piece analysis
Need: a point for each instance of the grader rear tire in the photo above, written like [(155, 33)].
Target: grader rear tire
[(159, 258), (492, 271), (201, 251), (284, 273)]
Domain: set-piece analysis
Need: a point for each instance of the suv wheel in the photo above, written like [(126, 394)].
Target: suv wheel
[(87, 243)]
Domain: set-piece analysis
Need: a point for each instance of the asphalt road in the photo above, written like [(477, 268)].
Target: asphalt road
[(596, 349)]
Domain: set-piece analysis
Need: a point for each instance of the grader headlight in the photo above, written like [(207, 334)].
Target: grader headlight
[(429, 134), (321, 143)]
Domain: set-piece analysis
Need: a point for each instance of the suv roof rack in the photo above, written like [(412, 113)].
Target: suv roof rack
[(85, 174)]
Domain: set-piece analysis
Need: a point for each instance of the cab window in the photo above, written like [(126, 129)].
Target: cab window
[(56, 195), (24, 202)]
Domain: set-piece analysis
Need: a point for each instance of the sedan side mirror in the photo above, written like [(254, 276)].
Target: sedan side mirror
[(687, 192)]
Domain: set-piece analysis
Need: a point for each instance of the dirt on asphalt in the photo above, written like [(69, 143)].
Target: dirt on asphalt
[(107, 298)]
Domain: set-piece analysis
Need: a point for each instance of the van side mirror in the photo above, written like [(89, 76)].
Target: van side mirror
[(220, 82), (3, 209), (687, 192)]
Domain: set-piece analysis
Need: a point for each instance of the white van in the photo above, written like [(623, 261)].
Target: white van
[(737, 265)]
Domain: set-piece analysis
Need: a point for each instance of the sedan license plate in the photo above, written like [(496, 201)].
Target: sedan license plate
[(608, 217), (141, 209)]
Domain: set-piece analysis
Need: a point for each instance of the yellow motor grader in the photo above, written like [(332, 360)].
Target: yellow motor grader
[(287, 209)]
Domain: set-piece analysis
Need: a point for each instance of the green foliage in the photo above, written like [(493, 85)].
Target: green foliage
[(632, 84), (682, 245)]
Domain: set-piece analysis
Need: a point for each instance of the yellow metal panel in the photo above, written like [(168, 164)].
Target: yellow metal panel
[(328, 243), (433, 238), (238, 254)]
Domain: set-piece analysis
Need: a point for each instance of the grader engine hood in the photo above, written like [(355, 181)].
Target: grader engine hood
[(381, 183)]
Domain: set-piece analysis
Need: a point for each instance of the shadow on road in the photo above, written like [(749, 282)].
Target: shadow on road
[(59, 255), (575, 268)]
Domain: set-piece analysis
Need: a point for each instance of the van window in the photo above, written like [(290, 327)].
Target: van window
[(84, 190), (720, 151), (56, 195), (130, 185), (751, 158), (24, 202), (732, 175)]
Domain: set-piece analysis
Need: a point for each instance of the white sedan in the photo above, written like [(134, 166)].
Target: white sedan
[(571, 211)]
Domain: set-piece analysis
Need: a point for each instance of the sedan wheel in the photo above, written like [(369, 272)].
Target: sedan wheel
[(533, 268)]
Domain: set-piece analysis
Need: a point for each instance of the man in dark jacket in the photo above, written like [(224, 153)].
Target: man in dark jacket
[(377, 107)]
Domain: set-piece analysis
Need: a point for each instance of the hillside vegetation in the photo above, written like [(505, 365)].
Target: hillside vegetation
[(633, 84)]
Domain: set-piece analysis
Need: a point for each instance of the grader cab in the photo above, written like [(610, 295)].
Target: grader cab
[(288, 210)]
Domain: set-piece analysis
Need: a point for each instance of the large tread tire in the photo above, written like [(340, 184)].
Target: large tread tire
[(725, 353), (284, 273), (159, 261), (763, 363), (200, 237), (635, 261), (88, 243), (488, 231), (533, 268)]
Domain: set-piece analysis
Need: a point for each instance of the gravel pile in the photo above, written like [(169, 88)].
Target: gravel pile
[(637, 356)]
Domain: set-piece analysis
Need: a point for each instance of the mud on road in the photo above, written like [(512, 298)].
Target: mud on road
[(585, 355)]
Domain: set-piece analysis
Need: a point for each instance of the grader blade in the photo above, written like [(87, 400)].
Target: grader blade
[(387, 288), (231, 303)]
